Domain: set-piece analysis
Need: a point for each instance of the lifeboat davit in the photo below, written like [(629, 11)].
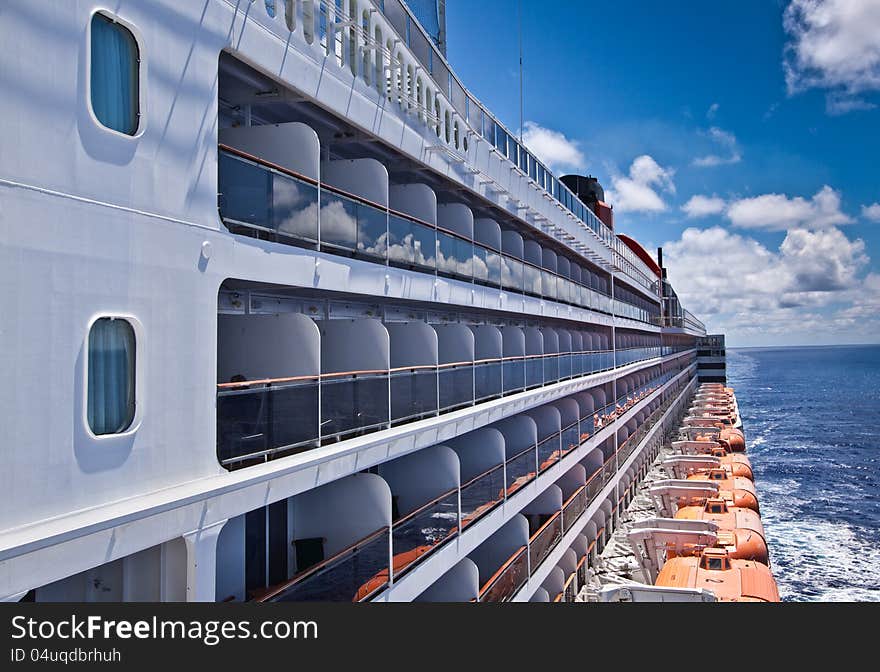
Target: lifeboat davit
[(736, 463), (737, 491), (746, 532), (730, 579)]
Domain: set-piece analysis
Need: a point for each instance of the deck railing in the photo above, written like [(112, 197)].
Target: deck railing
[(547, 537), (261, 199)]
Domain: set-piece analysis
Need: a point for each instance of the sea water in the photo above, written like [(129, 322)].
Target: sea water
[(812, 421)]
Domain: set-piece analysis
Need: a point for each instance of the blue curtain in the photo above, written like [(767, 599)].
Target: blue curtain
[(114, 75), (111, 376)]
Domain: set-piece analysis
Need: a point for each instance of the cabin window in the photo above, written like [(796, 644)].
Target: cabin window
[(715, 564), (114, 85), (111, 373)]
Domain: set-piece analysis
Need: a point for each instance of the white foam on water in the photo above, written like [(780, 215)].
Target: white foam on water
[(823, 561)]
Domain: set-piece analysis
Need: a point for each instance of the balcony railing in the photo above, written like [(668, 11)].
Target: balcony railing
[(545, 539), (261, 419), (482, 494), (424, 530), (551, 532), (361, 570), (509, 578), (349, 576), (261, 199)]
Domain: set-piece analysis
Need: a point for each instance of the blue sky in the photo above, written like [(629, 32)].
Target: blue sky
[(742, 136)]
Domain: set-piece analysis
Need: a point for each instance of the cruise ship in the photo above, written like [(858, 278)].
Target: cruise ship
[(290, 315)]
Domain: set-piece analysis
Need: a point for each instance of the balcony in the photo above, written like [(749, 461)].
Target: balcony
[(277, 371), (261, 199), (552, 520), (416, 503), (349, 576)]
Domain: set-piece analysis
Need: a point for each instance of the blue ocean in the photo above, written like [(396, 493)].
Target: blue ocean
[(812, 422)]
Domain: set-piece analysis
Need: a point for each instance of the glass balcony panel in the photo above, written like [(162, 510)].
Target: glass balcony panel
[(587, 427), (445, 254), (487, 380), (244, 192), (531, 280), (520, 470), (464, 255), (512, 274), (401, 240), (456, 386), (353, 575), (585, 363), (372, 232), (549, 452), (455, 256), (293, 209), (514, 372), (413, 394), (338, 221), (424, 246), (544, 540), (594, 486), (481, 495), (493, 266), (548, 285), (508, 579), (254, 422), (570, 438), (354, 405), (608, 469), (481, 264), (566, 368), (562, 290), (534, 371), (551, 368), (423, 531), (574, 508)]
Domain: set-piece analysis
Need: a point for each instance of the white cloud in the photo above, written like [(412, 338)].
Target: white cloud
[(833, 45), (778, 212), (726, 141), (822, 261), (553, 148), (712, 111), (806, 291), (638, 192), (838, 104), (702, 206), (871, 212)]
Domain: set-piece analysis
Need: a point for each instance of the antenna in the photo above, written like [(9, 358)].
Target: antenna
[(519, 16)]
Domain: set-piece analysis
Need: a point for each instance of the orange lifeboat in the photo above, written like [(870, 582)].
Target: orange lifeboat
[(735, 439), (745, 532), (730, 579), (738, 491), (736, 463)]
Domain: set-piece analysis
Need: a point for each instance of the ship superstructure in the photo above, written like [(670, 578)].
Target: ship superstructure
[(290, 315)]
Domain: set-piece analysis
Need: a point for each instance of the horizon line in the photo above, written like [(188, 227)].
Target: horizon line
[(814, 345)]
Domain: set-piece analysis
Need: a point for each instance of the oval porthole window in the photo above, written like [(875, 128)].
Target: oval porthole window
[(111, 376)]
